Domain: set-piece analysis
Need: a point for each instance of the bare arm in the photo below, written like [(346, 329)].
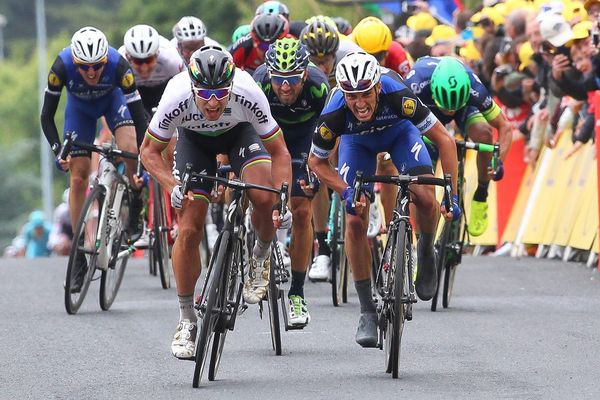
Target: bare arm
[(281, 167), (504, 134), (445, 143), (151, 155)]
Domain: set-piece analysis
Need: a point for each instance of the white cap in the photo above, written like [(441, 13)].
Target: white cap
[(556, 30)]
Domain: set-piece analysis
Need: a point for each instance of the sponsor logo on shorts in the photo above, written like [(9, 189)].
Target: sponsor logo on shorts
[(325, 132), (409, 106), (254, 147)]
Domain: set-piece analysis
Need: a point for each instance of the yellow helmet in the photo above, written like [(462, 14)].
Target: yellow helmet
[(372, 35)]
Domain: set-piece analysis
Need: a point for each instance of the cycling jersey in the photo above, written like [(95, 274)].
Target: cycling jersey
[(177, 108), (115, 96), (419, 81), (397, 59), (297, 120), (168, 64)]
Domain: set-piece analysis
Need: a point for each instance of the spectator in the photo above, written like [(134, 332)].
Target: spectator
[(61, 233), (36, 234)]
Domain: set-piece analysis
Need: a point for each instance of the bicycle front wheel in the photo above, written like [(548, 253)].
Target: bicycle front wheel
[(442, 254), (337, 250), (160, 231), (82, 259), (208, 303), (273, 296), (111, 279)]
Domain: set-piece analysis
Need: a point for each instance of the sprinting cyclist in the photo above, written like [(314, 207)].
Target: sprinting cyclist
[(189, 34), (296, 92), (372, 111), (223, 113), (99, 82), (454, 93)]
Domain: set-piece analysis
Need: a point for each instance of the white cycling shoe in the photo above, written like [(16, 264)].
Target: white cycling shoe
[(320, 270)]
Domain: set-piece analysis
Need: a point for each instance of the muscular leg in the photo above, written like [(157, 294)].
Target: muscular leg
[(79, 181), (262, 201), (125, 137), (388, 192), (482, 132), (301, 233), (358, 253)]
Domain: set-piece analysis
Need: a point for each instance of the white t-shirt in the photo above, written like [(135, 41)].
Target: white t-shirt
[(168, 65), (177, 108)]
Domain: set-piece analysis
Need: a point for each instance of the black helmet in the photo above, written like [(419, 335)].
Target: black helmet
[(343, 25), (211, 67), (320, 38), (268, 28)]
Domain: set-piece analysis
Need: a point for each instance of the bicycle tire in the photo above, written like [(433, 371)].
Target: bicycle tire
[(442, 249), (384, 285), (272, 299), (161, 237), (344, 269), (231, 293), (336, 251), (87, 223), (209, 319), (400, 292), (452, 264), (111, 278)]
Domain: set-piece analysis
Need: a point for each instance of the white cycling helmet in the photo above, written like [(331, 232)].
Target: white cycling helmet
[(188, 29), (357, 72), (142, 41), (89, 45)]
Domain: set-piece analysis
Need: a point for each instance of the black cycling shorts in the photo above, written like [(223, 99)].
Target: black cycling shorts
[(242, 144), (298, 139)]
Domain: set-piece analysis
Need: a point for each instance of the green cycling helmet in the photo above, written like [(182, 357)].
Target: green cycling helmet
[(240, 31), (287, 55), (450, 84)]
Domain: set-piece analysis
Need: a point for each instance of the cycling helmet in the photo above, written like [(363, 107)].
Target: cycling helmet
[(287, 55), (357, 72), (89, 45), (322, 18), (373, 35), (188, 29), (320, 38), (142, 41), (450, 84), (273, 7), (267, 28), (343, 26), (240, 31), (211, 67)]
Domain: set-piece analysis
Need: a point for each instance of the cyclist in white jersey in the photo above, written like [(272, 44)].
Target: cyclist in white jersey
[(224, 113), (154, 62), (189, 34)]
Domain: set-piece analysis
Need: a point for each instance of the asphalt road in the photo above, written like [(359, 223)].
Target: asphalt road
[(516, 329)]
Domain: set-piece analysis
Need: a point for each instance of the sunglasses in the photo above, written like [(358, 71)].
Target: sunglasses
[(362, 86), (280, 80), (206, 94), (142, 61), (87, 67)]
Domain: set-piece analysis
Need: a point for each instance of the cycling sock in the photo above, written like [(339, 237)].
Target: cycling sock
[(481, 193), (186, 308), (425, 243), (324, 249), (365, 296), (260, 249), (297, 286)]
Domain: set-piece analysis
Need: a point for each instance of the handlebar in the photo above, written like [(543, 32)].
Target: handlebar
[(481, 147), (107, 149), (402, 180)]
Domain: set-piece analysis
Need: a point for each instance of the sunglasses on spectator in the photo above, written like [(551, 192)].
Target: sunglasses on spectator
[(362, 86), (280, 80), (206, 94), (142, 61), (87, 67)]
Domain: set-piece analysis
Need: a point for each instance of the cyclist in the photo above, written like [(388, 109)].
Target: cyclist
[(296, 92), (154, 62), (189, 34), (374, 37), (99, 82), (224, 113), (323, 43), (372, 111), (455, 93), (249, 52)]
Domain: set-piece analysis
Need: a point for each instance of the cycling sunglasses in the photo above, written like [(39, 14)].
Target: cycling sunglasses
[(362, 86), (206, 94), (142, 61), (280, 80), (87, 67)]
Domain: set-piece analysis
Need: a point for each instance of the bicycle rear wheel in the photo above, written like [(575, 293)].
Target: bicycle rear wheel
[(208, 307), (160, 230), (273, 296), (82, 259), (232, 266), (452, 262), (442, 254), (111, 279), (337, 250)]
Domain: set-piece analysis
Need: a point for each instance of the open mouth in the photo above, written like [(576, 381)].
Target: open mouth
[(363, 112)]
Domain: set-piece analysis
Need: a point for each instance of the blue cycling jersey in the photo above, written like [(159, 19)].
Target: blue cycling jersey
[(419, 81)]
